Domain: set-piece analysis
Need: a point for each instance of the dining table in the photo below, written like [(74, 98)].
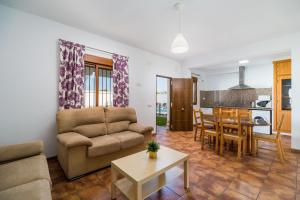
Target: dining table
[(247, 124)]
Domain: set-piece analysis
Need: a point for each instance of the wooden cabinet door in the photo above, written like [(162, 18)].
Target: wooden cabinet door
[(283, 102), (282, 98), (181, 104)]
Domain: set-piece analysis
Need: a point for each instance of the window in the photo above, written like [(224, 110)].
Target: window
[(195, 80), (98, 89)]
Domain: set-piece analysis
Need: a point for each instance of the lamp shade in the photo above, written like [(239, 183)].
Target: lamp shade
[(179, 44)]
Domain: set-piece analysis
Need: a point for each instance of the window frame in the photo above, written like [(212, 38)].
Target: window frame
[(99, 63), (195, 96)]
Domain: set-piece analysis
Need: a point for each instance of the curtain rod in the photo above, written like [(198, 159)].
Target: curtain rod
[(92, 48), (103, 51), (99, 50)]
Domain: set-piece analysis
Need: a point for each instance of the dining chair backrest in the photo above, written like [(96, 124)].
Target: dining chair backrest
[(229, 119), (217, 113), (207, 121), (226, 115), (279, 126), (197, 116), (244, 115)]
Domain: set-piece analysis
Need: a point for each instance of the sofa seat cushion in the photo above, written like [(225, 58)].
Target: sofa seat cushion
[(128, 138), (35, 190), (103, 145), (23, 171), (91, 130)]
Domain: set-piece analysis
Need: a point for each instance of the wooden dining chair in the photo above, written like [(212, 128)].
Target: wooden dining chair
[(246, 116), (274, 138), (231, 129), (198, 125), (210, 129)]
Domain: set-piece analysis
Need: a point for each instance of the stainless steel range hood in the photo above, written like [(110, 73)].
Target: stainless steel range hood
[(241, 85)]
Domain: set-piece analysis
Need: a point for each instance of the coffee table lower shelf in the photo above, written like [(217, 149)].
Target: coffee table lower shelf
[(155, 184)]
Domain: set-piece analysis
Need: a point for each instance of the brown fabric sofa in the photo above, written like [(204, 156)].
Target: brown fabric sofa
[(90, 138), (24, 173)]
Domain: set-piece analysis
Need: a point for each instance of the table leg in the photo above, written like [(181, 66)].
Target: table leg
[(139, 194), (186, 174), (250, 139), (113, 180)]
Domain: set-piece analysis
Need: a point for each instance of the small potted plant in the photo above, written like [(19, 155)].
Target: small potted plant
[(152, 148)]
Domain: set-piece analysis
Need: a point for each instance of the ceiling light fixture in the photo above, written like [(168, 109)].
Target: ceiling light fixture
[(179, 44), (243, 61)]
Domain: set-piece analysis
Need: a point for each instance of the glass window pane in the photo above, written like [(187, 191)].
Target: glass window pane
[(105, 87), (90, 87), (286, 85)]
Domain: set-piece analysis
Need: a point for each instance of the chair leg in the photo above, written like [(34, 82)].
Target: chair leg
[(221, 145), (279, 151), (282, 149), (245, 146), (202, 140), (217, 143), (239, 149), (253, 146), (256, 146), (195, 135)]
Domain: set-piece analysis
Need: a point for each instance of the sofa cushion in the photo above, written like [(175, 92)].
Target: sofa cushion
[(67, 120), (23, 171), (128, 138), (115, 114), (117, 127), (103, 145), (91, 130), (35, 190), (18, 151)]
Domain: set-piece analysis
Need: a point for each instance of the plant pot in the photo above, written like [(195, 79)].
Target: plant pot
[(152, 155)]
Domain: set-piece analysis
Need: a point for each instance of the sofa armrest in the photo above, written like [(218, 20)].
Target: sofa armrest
[(72, 139), (19, 151), (140, 128)]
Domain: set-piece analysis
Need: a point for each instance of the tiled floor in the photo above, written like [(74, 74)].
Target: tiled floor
[(211, 176)]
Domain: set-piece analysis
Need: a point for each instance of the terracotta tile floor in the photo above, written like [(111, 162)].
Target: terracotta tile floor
[(211, 176)]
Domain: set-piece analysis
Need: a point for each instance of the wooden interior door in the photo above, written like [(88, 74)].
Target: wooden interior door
[(282, 98), (181, 104)]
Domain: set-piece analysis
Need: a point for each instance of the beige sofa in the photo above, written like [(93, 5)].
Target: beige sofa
[(24, 172), (90, 138)]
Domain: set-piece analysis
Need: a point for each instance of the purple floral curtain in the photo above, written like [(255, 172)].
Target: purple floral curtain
[(120, 81), (71, 75)]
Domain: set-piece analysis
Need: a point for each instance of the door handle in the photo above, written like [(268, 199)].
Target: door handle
[(182, 109)]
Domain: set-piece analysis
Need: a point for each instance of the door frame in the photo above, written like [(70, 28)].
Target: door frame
[(170, 107)]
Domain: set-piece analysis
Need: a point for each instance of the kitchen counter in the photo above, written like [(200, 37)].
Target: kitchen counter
[(238, 107)]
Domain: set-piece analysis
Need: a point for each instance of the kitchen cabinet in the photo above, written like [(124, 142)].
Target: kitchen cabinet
[(282, 94)]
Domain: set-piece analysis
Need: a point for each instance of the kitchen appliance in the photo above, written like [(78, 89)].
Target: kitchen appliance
[(263, 101), (263, 117), (241, 85)]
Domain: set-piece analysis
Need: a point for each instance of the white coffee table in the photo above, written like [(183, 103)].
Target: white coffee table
[(144, 176)]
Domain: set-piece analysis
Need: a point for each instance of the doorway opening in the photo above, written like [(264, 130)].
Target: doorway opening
[(163, 94)]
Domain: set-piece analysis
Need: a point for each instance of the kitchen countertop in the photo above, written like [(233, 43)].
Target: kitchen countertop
[(238, 107)]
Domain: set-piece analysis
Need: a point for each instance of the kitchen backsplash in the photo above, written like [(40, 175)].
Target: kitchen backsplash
[(232, 98)]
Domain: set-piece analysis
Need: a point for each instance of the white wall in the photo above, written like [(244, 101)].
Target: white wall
[(257, 76), (29, 75), (296, 95)]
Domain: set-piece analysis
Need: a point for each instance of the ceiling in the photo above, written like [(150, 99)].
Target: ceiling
[(209, 25)]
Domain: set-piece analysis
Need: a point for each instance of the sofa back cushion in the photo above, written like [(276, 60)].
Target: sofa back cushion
[(118, 119), (91, 130), (68, 120), (116, 127), (114, 114)]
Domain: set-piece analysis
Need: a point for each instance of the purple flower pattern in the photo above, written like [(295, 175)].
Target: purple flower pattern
[(120, 81), (71, 79)]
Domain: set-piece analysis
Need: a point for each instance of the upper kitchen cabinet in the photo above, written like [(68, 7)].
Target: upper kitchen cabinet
[(282, 94)]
